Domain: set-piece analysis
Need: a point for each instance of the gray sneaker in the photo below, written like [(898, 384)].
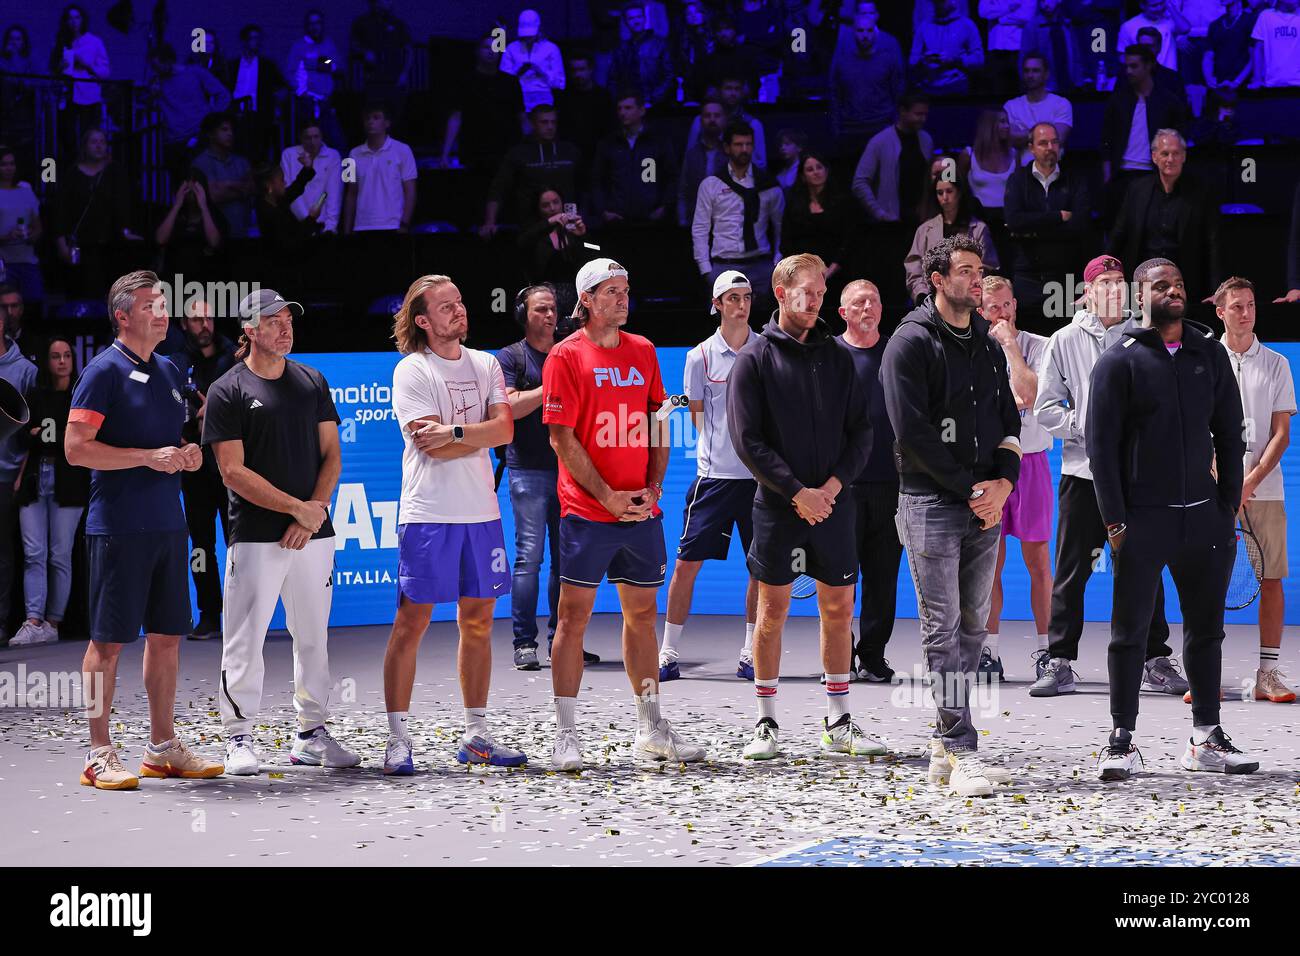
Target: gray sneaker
[(526, 658), (1058, 678), (1041, 657), (1160, 675)]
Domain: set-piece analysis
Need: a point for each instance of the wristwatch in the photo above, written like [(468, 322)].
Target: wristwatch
[(457, 434)]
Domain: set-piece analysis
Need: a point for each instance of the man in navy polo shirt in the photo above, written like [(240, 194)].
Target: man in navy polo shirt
[(125, 425)]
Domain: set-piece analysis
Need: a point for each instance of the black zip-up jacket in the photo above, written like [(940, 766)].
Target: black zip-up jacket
[(797, 413), (951, 406), (1156, 423)]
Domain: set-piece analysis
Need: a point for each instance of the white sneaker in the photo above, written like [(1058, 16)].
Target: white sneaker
[(51, 632), (566, 755), (29, 635), (242, 759), (941, 767), (664, 745), (764, 744), (1217, 754), (970, 775), (322, 750), (1119, 759), (846, 738)]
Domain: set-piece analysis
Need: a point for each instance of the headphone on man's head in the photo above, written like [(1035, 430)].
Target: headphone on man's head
[(521, 301)]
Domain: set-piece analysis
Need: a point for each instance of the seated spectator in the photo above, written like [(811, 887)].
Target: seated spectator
[(866, 81), (621, 191), (51, 497), (691, 49), (952, 210), (1047, 211), (891, 176), (1226, 63), (257, 89), (819, 217), (1006, 20), (381, 49), (12, 309), (1050, 34), (79, 54), (553, 245), (1169, 79), (987, 164), (324, 191), (733, 94), (534, 61), (946, 51), (1275, 51), (704, 158), (310, 67), (790, 144), (586, 110), (1037, 105), (1162, 16), (92, 215), (737, 222), (542, 159), (20, 229), (192, 231), (1170, 214), (383, 196), (184, 95), (642, 62), (229, 175)]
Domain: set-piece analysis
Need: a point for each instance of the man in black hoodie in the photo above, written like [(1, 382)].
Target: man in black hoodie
[(1164, 410), (799, 422), (957, 447)]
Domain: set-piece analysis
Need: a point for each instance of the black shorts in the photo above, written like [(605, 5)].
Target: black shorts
[(713, 507), (630, 552), (786, 546), (138, 581)]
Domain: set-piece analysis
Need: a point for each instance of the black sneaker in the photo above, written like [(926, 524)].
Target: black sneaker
[(207, 629), (526, 658), (873, 670), (588, 658), (990, 668)]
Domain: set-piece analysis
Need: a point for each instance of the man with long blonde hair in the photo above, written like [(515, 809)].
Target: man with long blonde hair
[(451, 404)]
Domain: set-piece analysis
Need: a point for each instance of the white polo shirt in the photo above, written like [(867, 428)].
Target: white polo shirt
[(1264, 377), (708, 367), (380, 174), (1023, 115), (327, 180), (1033, 436)]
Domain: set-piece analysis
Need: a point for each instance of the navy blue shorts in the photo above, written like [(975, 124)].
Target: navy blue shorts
[(138, 581), (713, 507), (786, 546), (441, 563), (630, 552)]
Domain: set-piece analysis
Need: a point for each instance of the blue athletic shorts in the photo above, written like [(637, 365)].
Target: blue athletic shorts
[(713, 507), (138, 581), (630, 552), (441, 563)]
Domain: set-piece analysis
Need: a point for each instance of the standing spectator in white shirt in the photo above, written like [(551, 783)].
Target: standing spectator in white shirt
[(1036, 106), (1268, 402), (535, 61), (383, 196), (1162, 15), (1276, 48), (1006, 20), (326, 187), (80, 54)]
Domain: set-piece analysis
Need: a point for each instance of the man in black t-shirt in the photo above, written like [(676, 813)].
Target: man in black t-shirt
[(274, 429)]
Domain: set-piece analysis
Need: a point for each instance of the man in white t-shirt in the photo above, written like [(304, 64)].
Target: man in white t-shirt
[(383, 195), (1161, 15), (1275, 46), (1028, 513), (451, 405), (535, 61), (1037, 105), (327, 182), (1268, 402)]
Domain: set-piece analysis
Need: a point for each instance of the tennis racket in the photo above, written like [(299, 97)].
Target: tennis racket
[(803, 587), (1247, 569)]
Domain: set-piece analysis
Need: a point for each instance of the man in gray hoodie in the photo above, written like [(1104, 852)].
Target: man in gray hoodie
[(1061, 407), (21, 374)]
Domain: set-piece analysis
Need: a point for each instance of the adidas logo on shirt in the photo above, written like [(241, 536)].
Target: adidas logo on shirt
[(256, 404)]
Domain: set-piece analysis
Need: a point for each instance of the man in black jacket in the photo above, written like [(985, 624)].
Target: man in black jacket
[(541, 160), (1164, 407), (799, 422), (957, 446), (1048, 214), (1170, 215)]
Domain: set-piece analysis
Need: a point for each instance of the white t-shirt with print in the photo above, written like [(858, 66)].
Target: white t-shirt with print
[(454, 490)]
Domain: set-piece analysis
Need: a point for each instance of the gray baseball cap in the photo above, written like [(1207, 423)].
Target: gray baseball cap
[(261, 303)]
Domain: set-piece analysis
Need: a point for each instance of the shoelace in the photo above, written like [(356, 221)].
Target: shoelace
[(1118, 750), (112, 761), (1225, 747), (971, 765), (1173, 666)]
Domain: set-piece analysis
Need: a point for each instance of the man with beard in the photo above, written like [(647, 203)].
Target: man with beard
[(1164, 405)]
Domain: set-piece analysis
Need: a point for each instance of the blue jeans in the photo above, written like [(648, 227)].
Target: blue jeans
[(953, 561), (48, 531), (536, 504)]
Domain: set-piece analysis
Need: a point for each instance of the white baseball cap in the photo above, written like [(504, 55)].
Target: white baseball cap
[(593, 274), (731, 279), (530, 22)]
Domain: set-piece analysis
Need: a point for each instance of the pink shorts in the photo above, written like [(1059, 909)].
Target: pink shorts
[(1028, 512)]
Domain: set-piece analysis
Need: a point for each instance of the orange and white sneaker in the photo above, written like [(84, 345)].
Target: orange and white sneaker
[(1187, 698), (1271, 685), (104, 771), (178, 761)]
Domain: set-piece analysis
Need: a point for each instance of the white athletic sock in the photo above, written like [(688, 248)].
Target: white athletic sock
[(160, 748), (647, 714), (1201, 734), (564, 712), (397, 724), (672, 634), (476, 722), (766, 691), (991, 642), (748, 650), (837, 696), (1268, 657), (1044, 641)]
